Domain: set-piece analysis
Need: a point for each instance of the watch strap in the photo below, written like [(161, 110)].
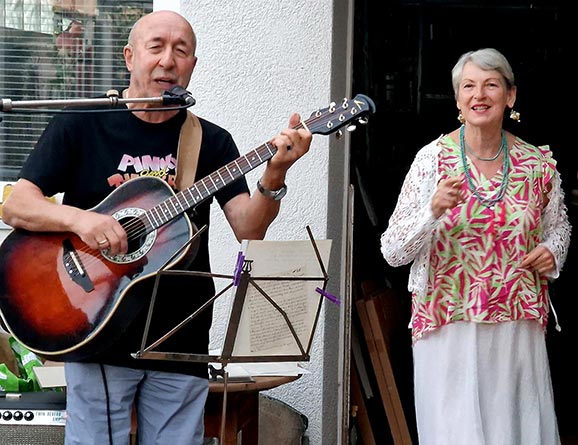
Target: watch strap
[(275, 195)]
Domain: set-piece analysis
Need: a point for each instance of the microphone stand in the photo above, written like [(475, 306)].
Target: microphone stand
[(175, 96)]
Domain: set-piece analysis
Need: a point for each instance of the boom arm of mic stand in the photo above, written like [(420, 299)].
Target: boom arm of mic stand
[(112, 99)]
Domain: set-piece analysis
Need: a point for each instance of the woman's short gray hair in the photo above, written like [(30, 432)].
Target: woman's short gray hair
[(486, 59)]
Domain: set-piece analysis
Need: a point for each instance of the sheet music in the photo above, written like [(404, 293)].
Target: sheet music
[(262, 329)]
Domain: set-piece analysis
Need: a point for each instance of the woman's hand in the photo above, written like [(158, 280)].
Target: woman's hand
[(540, 260), (447, 196)]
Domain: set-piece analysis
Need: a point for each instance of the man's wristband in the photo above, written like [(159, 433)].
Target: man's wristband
[(275, 195)]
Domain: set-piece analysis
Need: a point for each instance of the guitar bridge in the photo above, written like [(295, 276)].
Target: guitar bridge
[(74, 267)]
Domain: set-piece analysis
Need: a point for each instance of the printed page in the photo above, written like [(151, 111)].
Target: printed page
[(264, 324)]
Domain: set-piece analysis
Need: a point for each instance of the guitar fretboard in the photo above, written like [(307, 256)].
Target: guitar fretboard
[(206, 187)]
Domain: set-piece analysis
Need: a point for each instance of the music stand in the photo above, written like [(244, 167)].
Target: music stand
[(258, 296)]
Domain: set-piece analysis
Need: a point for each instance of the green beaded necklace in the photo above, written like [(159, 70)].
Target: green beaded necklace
[(505, 170)]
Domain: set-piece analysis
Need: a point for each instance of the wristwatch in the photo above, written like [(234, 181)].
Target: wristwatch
[(275, 195)]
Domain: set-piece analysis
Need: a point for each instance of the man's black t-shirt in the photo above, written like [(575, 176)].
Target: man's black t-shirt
[(88, 156)]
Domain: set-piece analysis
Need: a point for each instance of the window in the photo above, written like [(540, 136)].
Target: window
[(56, 49)]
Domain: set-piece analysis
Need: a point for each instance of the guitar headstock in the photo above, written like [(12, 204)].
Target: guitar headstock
[(336, 116)]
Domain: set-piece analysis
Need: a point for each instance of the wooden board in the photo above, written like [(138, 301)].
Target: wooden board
[(369, 313), (358, 399)]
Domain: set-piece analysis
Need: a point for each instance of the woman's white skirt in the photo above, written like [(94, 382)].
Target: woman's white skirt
[(484, 384)]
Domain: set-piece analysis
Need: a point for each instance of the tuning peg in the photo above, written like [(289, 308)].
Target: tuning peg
[(351, 128), (363, 120), (338, 134)]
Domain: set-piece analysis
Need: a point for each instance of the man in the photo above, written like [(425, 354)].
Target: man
[(87, 157)]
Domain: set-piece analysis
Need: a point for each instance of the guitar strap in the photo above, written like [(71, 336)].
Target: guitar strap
[(188, 151)]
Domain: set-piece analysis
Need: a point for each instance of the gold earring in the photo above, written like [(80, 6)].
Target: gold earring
[(515, 116), (461, 118)]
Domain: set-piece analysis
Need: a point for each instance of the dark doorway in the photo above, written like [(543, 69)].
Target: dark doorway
[(403, 55)]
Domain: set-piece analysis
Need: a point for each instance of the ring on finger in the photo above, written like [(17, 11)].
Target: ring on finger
[(103, 242)]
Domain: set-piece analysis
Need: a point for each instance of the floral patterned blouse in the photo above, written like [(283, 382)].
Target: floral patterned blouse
[(465, 263)]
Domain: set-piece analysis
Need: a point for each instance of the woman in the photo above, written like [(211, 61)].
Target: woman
[(481, 215)]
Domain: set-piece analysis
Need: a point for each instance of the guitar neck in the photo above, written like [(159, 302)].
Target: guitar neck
[(208, 186)]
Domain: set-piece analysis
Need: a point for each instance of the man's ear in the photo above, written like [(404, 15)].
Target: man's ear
[(127, 52)]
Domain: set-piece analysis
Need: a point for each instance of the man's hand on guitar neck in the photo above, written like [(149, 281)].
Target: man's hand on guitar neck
[(291, 144)]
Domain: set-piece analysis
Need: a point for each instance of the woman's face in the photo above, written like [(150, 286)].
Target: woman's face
[(483, 96)]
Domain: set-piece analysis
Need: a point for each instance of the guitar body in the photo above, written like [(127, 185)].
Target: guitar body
[(65, 316)]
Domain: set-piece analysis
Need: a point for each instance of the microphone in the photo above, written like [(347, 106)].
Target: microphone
[(177, 95)]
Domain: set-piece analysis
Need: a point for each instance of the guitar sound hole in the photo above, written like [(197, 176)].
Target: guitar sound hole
[(136, 232)]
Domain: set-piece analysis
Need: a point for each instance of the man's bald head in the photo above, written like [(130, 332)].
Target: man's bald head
[(149, 21)]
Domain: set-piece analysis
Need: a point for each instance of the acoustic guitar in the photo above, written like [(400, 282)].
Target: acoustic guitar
[(59, 298)]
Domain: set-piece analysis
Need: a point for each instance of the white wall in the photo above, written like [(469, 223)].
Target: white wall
[(259, 61)]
